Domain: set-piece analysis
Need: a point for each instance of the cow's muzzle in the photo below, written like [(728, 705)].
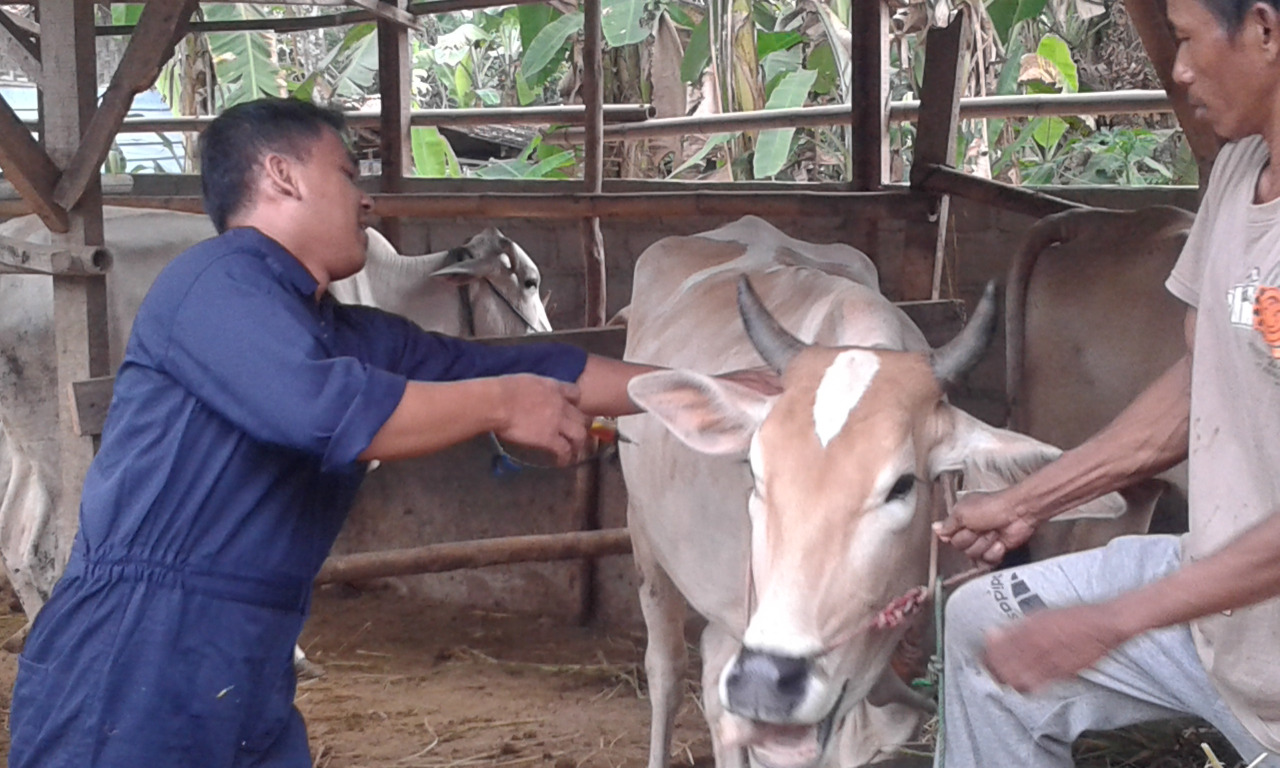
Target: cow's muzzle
[(766, 687)]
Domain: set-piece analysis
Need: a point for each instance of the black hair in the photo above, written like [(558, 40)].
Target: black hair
[(1230, 13), (236, 140)]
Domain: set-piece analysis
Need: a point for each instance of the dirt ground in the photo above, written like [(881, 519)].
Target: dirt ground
[(410, 685)]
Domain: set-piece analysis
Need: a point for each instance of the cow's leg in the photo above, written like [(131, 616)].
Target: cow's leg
[(665, 657), (26, 509), (718, 647), (305, 668)]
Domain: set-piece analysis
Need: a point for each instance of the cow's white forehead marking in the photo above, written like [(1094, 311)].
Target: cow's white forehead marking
[(842, 386)]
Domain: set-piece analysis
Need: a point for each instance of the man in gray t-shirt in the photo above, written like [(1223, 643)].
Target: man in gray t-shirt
[(1155, 626)]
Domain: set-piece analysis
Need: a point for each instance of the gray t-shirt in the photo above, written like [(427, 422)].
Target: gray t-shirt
[(1230, 272)]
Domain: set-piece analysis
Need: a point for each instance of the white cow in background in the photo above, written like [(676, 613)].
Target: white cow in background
[(500, 283), (791, 521)]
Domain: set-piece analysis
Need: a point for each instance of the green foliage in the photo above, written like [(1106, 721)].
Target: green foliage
[(698, 53), (536, 161), (433, 157), (621, 21), (774, 146), (245, 61), (1006, 14), (128, 13), (350, 70), (549, 42), (714, 142)]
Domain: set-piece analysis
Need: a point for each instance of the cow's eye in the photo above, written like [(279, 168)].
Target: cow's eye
[(902, 487), (531, 284)]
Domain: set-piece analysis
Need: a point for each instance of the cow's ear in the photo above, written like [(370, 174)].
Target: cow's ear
[(993, 458), (470, 270), (708, 414)]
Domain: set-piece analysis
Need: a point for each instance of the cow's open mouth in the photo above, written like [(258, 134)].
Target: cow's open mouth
[(794, 746)]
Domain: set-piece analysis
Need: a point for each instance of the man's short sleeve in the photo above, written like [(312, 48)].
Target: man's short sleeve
[(247, 347), (1188, 273)]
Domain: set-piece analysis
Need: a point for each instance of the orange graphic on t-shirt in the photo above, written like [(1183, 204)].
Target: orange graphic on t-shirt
[(1266, 317)]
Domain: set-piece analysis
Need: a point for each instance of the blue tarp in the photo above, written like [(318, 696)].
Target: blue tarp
[(143, 152)]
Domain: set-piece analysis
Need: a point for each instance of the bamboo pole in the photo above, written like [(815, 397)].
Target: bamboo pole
[(972, 108), (454, 556), (441, 118)]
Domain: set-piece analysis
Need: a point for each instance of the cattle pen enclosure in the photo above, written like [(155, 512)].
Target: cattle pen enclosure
[(523, 663)]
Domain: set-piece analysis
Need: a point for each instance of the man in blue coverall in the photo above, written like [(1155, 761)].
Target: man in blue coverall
[(244, 412)]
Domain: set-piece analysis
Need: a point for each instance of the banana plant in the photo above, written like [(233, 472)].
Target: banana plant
[(245, 62), (349, 72)]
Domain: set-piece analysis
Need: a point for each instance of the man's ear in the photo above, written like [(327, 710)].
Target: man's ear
[(281, 178), (1265, 22)]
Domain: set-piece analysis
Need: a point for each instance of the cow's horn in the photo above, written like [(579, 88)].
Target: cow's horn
[(774, 343), (956, 357)]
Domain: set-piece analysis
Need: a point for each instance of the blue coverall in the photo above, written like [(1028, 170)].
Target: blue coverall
[(227, 466)]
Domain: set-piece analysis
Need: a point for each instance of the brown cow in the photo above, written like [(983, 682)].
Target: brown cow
[(1089, 325)]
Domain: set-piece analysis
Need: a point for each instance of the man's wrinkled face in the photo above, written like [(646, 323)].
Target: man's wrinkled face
[(1225, 74), (334, 206)]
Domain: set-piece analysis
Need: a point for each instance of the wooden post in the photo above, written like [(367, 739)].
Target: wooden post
[(586, 486), (945, 70), (1150, 21), (395, 76), (869, 150), (80, 303), (593, 163)]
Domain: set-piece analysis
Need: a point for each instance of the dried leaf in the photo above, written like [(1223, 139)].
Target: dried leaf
[(1037, 69)]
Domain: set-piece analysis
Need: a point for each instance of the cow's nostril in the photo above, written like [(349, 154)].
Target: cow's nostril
[(792, 674)]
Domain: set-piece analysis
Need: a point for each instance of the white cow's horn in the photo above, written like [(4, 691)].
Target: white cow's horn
[(956, 357), (774, 343)]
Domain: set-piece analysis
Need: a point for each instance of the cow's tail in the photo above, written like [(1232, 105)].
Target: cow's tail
[(1049, 231)]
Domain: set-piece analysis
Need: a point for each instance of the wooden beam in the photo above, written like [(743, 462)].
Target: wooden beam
[(1152, 25), (568, 206), (395, 79), (945, 57), (459, 555), (389, 12), (160, 27), (945, 74), (869, 141), (26, 258), (942, 180), (28, 167)]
